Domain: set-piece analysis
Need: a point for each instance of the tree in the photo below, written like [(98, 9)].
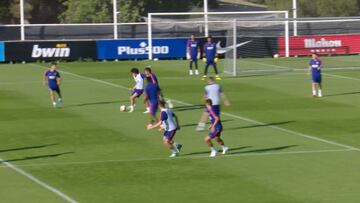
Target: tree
[(92, 11), (86, 11)]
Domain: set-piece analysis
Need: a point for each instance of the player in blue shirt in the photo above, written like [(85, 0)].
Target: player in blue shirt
[(169, 123), (315, 66), (52, 80), (151, 98), (210, 55), (152, 79), (215, 130), (193, 53)]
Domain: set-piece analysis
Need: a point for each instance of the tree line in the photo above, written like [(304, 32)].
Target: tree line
[(96, 11)]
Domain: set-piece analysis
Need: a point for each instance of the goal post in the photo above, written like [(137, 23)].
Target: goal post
[(218, 24)]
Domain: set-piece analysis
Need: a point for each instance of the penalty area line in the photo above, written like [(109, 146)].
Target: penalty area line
[(239, 154)]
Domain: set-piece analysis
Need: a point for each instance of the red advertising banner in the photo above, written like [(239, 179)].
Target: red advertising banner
[(321, 44)]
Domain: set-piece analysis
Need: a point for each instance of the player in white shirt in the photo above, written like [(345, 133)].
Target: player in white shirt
[(214, 92), (169, 123), (138, 89)]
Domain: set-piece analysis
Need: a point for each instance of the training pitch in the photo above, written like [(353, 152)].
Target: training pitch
[(286, 146)]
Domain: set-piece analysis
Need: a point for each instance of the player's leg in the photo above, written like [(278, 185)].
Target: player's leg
[(132, 101), (207, 140), (196, 67), (191, 67), (203, 119), (217, 77), (313, 86), (147, 105), (169, 143), (58, 92), (206, 70), (320, 93), (52, 97), (153, 109), (221, 142)]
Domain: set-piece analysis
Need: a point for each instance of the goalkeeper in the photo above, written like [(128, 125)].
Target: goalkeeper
[(210, 57)]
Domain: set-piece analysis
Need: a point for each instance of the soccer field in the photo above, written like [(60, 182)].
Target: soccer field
[(286, 146)]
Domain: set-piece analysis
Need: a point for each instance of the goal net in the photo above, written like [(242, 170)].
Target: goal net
[(237, 34)]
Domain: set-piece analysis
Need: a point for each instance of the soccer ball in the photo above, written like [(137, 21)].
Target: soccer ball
[(122, 108)]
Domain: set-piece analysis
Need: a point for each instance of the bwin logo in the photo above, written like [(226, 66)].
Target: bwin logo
[(38, 52), (142, 49)]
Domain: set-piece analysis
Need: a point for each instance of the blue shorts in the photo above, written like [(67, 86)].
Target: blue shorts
[(316, 78), (216, 109), (153, 105), (138, 92), (215, 133), (169, 135), (210, 62), (193, 58), (54, 88)]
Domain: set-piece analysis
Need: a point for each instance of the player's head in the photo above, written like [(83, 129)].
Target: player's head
[(211, 80), (208, 103), (192, 36), (134, 71), (209, 39), (147, 71), (315, 55), (162, 104), (52, 66)]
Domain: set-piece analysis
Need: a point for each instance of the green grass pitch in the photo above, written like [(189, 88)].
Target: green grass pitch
[(286, 147)]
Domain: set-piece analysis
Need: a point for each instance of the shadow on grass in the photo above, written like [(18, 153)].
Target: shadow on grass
[(264, 150), (195, 124), (238, 150), (342, 94), (259, 125), (37, 157), (95, 103), (189, 107), (25, 148), (207, 152)]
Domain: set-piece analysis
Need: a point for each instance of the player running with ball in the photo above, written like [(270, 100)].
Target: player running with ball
[(215, 130), (169, 123), (52, 79), (138, 89), (315, 66)]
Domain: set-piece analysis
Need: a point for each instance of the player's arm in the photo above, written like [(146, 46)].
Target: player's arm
[(156, 125), (44, 79), (225, 99), (58, 81), (216, 120), (177, 121)]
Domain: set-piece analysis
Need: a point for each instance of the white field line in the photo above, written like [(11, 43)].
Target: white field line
[(328, 74), (230, 115), (244, 154), (37, 181)]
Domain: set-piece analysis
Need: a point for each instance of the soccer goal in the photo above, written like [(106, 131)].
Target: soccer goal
[(237, 34)]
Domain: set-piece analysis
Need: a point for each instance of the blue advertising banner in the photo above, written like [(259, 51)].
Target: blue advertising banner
[(139, 49), (2, 51)]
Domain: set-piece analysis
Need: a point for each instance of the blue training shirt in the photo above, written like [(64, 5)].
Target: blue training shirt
[(212, 116), (315, 65), (152, 91), (52, 78), (210, 50), (193, 46)]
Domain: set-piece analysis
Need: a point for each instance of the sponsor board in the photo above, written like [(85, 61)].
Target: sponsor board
[(2, 52), (323, 44), (139, 49), (50, 50)]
